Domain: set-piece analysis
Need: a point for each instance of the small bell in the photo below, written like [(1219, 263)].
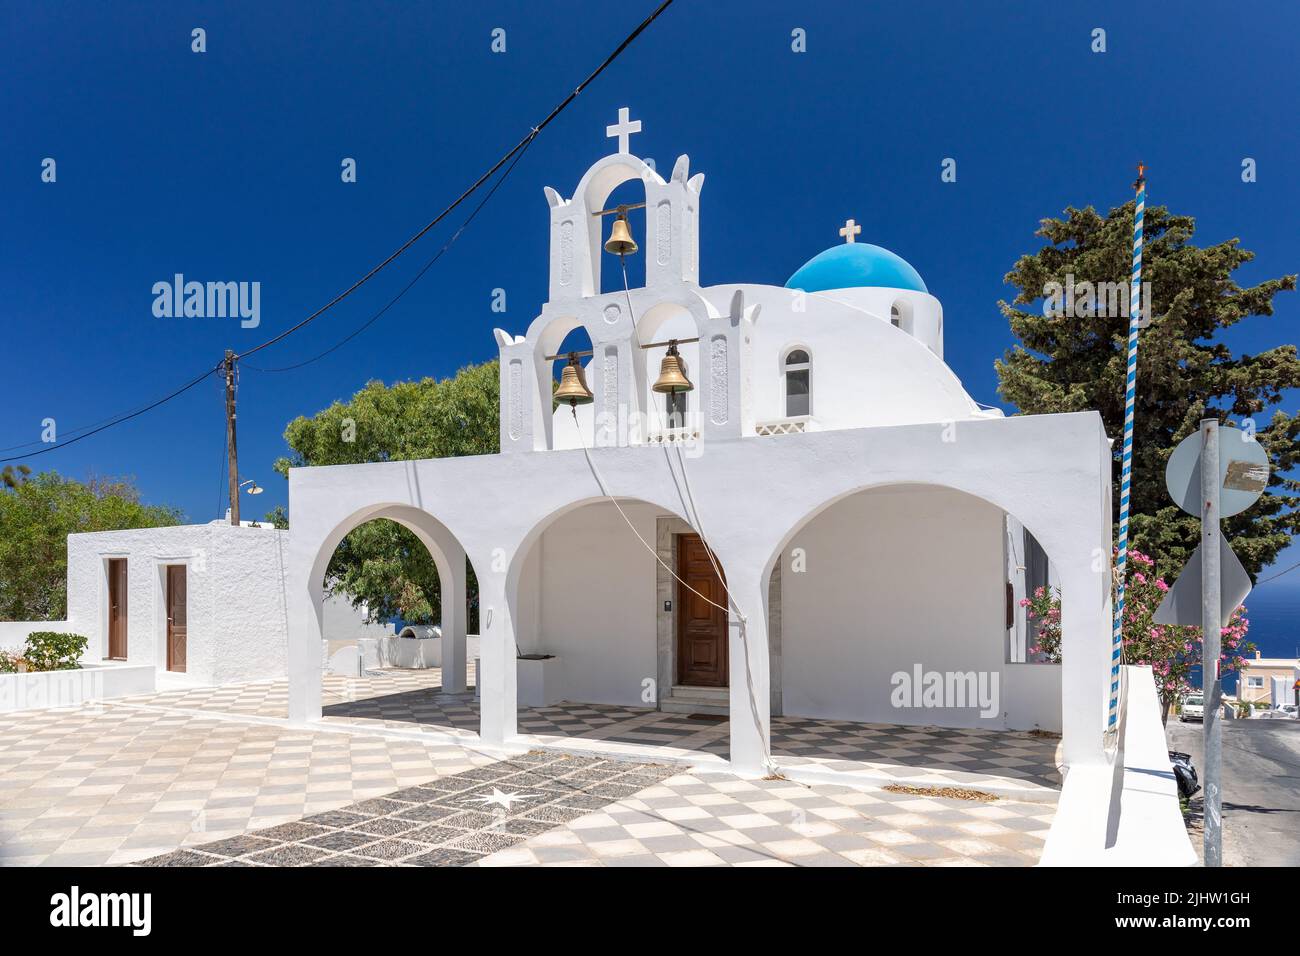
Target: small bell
[(573, 385), (671, 377), (620, 241)]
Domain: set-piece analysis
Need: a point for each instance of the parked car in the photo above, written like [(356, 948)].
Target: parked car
[(1193, 708)]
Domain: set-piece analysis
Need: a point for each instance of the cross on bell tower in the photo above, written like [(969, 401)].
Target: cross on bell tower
[(850, 230), (623, 129)]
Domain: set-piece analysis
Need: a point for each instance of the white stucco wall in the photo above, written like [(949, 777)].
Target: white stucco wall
[(248, 639), (898, 577), (864, 371), (340, 621), (597, 603), (236, 608), (13, 634)]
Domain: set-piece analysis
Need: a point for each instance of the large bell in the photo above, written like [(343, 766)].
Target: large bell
[(620, 241), (573, 385), (671, 377)]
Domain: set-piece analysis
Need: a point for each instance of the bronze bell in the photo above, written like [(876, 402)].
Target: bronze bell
[(620, 241), (573, 385), (671, 377)]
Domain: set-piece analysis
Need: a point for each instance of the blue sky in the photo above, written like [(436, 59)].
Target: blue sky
[(225, 166)]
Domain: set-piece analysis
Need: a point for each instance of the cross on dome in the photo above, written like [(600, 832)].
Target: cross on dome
[(623, 129), (850, 230)]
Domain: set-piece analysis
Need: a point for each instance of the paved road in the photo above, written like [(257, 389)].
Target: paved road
[(1261, 788)]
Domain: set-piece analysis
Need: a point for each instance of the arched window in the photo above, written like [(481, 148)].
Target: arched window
[(798, 383), (895, 317)]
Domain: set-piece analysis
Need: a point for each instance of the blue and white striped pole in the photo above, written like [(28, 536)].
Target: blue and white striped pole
[(1126, 468)]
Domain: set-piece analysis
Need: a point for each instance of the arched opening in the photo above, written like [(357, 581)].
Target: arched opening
[(629, 193), (665, 323), (571, 424), (897, 611), (796, 382), (397, 603), (623, 632)]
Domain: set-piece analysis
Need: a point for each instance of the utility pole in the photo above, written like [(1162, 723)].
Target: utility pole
[(232, 454), (1211, 615)]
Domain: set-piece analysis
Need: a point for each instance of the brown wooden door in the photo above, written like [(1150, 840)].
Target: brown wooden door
[(176, 617), (701, 627), (116, 609)]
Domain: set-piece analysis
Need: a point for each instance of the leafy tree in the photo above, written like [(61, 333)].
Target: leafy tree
[(37, 513), (381, 563), (11, 477), (278, 518), (1185, 371)]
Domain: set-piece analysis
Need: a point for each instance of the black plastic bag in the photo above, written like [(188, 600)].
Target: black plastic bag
[(1185, 774)]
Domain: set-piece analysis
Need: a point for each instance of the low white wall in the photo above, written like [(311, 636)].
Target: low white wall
[(894, 578), (13, 634), (36, 691), (1032, 696), (1125, 814), (420, 652)]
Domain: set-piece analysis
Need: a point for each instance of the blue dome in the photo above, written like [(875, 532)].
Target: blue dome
[(854, 265)]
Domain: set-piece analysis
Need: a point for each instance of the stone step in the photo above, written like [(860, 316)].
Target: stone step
[(688, 692), (713, 701)]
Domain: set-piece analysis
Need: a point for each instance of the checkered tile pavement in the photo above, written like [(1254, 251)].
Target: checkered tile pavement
[(116, 782), (1007, 762), (125, 780), (716, 820), (452, 821)]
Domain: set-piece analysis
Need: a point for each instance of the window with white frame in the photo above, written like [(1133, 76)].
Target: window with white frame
[(798, 383), (1256, 682), (895, 317)]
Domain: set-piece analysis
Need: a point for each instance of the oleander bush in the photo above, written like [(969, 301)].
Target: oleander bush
[(53, 651)]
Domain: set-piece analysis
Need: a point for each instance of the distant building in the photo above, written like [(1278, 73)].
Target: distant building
[(1270, 679)]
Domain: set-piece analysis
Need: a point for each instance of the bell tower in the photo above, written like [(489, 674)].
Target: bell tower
[(671, 248), (613, 382)]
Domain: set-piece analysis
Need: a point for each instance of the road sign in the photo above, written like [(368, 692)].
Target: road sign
[(1182, 603), (1243, 472)]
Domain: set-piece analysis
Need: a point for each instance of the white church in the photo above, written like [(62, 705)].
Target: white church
[(748, 500)]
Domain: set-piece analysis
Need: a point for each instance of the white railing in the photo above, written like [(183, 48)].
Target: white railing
[(674, 436), (784, 426)]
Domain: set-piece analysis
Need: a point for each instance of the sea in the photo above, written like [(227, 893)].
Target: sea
[(1273, 610)]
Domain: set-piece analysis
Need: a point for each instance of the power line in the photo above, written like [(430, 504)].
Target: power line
[(522, 144), (419, 275), (1274, 577), (115, 421), (519, 147), (70, 431)]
